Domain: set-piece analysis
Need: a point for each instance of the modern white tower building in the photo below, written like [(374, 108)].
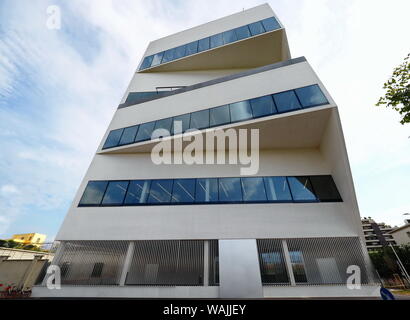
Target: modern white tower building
[(192, 230)]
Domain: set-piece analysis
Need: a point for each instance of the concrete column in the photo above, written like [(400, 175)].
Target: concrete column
[(288, 263), (206, 263), (127, 263)]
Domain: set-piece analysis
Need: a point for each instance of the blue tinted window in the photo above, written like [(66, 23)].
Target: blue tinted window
[(242, 32), (157, 59), (203, 44), (160, 191), (325, 188), (145, 131), (169, 55), (230, 190), (262, 106), (240, 111), (113, 138), (164, 128), (146, 63), (277, 189), (229, 36), (183, 190), (115, 192), (256, 28), (128, 135), (134, 97), (200, 119), (219, 116), (138, 191), (180, 52), (301, 189), (191, 48), (311, 96), (93, 193), (286, 101), (216, 40), (253, 189), (180, 123), (206, 190), (270, 24)]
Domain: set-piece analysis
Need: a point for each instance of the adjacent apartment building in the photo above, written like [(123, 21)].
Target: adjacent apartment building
[(192, 229)]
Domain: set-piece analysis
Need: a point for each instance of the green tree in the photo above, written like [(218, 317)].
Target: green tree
[(397, 88)]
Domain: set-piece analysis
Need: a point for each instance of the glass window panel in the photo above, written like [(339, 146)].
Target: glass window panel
[(135, 97), (145, 131), (216, 40), (256, 28), (180, 51), (191, 48), (113, 138), (157, 59), (273, 267), (242, 32), (286, 101), (229, 36), (206, 190), (115, 193), (311, 96), (128, 135), (253, 189), (183, 190), (301, 189), (165, 126), (146, 63), (93, 193), (277, 189), (200, 119), (263, 106), (270, 24), (219, 116), (298, 266), (230, 190), (169, 55), (325, 188), (183, 125), (137, 193), (240, 111), (203, 44), (160, 191)]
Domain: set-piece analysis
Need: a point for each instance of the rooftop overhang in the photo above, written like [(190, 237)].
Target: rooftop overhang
[(299, 129), (256, 51)]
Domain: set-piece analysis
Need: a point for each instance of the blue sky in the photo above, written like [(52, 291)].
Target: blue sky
[(60, 88)]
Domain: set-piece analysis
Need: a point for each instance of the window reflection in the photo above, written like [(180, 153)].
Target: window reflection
[(93, 193), (138, 191), (262, 106), (200, 119), (145, 131), (311, 96), (301, 189), (206, 190), (113, 138), (277, 189), (183, 191), (286, 101), (230, 190), (115, 193), (256, 28), (253, 189), (240, 111), (128, 135), (219, 116), (160, 191)]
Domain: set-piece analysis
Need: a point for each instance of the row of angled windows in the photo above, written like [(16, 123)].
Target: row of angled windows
[(282, 102), (210, 191), (211, 42)]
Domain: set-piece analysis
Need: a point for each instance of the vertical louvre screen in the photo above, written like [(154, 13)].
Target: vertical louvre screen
[(272, 262), (91, 262), (314, 261), (167, 262)]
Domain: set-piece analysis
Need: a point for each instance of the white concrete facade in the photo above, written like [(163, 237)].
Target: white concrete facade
[(298, 143)]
